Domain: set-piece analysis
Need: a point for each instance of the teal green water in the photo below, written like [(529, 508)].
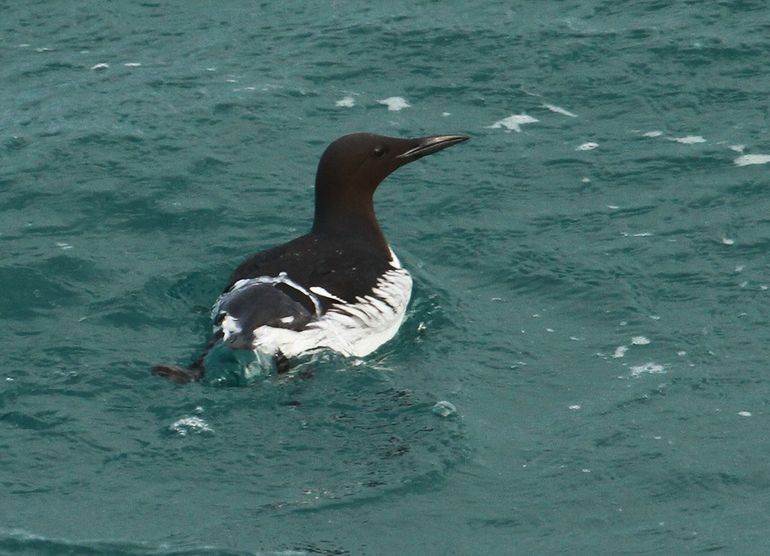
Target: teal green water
[(591, 290)]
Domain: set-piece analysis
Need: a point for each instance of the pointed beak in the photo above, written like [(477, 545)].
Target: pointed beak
[(430, 145)]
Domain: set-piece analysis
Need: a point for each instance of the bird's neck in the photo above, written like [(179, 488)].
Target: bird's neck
[(349, 218)]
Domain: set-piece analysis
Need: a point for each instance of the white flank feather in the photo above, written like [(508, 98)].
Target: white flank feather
[(352, 329)]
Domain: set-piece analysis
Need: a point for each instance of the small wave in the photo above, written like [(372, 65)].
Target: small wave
[(395, 104), (513, 122), (19, 541), (560, 110), (750, 159), (647, 368)]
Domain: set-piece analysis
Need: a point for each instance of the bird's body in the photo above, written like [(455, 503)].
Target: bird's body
[(339, 287), (349, 301)]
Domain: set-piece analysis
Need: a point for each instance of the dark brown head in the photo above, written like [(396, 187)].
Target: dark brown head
[(350, 170)]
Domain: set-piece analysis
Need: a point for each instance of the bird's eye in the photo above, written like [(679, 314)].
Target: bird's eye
[(379, 150)]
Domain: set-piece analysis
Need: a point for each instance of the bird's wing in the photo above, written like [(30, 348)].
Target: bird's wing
[(254, 303)]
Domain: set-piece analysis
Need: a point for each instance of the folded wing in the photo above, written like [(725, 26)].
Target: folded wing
[(259, 302)]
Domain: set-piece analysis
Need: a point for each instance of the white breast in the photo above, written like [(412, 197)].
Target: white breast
[(352, 329)]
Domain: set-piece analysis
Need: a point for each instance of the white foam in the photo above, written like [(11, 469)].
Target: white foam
[(647, 368), (187, 425), (101, 66), (689, 139), (640, 341), (737, 148), (574, 407), (655, 133), (620, 351), (395, 104), (132, 64), (749, 159), (587, 146), (559, 110), (639, 234), (513, 122), (728, 241), (347, 102), (744, 413)]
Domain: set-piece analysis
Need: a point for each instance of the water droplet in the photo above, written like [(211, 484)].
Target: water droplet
[(444, 409)]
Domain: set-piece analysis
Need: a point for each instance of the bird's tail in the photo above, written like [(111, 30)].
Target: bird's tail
[(192, 373)]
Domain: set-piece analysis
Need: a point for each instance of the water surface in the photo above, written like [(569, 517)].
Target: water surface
[(591, 278)]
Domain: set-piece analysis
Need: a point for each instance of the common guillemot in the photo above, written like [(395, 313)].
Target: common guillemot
[(340, 287)]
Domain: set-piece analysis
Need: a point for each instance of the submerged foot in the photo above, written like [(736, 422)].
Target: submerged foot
[(282, 363), (177, 373)]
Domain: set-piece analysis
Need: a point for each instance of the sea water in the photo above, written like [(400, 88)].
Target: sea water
[(584, 365)]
